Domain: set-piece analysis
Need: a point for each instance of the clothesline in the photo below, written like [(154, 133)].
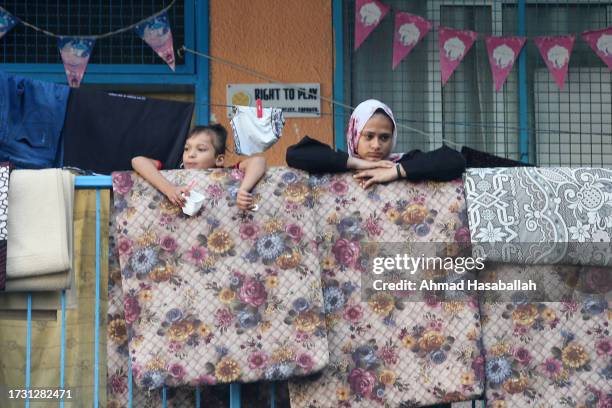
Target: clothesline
[(401, 123), (279, 82), (98, 36), (454, 123)]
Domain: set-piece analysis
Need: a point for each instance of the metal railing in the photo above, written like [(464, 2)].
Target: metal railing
[(101, 183)]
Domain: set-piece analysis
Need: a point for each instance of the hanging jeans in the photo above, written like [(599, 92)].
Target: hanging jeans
[(31, 120)]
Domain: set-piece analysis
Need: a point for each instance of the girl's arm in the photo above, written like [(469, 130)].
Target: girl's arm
[(317, 157), (148, 170), (254, 168)]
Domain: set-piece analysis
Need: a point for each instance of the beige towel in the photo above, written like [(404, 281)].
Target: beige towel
[(40, 230)]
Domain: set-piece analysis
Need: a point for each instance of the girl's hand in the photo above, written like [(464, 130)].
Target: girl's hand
[(367, 178), (360, 164), (244, 200), (177, 195)]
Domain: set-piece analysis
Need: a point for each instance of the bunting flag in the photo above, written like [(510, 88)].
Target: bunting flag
[(502, 52), (7, 22), (409, 30), (156, 32), (556, 53), (599, 40), (454, 45), (75, 54), (368, 14)]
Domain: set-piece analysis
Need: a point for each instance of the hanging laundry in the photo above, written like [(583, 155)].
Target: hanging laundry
[(259, 277), (31, 119), (40, 230), (546, 354), (78, 331), (541, 215), (104, 131), (253, 134), (5, 169), (388, 348), (477, 158)]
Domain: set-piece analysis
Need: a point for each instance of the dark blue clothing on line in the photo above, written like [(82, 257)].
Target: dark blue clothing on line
[(31, 120)]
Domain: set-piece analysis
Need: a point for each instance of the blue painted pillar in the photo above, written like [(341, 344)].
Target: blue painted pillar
[(522, 79), (338, 95), (202, 65)]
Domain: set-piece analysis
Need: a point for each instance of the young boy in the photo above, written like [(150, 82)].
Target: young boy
[(204, 149)]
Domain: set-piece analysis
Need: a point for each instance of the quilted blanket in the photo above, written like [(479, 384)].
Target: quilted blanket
[(541, 215), (117, 389), (224, 296), (550, 354), (386, 350)]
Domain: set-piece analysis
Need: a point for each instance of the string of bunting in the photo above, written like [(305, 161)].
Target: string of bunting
[(410, 29), (76, 50)]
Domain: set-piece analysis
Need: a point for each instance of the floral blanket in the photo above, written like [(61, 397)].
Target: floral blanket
[(386, 350), (224, 296), (528, 215), (550, 354)]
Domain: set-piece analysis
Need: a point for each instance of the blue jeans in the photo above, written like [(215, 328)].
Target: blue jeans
[(31, 121)]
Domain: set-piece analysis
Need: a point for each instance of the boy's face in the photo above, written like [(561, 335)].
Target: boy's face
[(200, 153)]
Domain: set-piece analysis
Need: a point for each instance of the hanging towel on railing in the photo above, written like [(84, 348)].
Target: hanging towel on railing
[(224, 296), (541, 215), (39, 254)]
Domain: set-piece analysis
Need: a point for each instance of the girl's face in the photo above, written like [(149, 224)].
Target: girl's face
[(200, 153), (375, 139)]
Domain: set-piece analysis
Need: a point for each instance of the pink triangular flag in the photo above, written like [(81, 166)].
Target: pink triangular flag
[(368, 14), (75, 54), (156, 32), (601, 42), (7, 22), (409, 30), (454, 45), (556, 53), (503, 51)]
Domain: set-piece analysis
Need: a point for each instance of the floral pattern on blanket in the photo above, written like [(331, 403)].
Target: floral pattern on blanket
[(117, 390), (386, 350), (554, 354), (223, 296)]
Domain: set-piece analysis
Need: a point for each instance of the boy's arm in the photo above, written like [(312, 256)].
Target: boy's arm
[(254, 168), (148, 170)]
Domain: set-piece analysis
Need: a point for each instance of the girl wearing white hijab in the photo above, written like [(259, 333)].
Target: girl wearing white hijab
[(370, 138)]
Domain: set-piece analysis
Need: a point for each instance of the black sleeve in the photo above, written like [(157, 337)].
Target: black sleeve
[(443, 164), (316, 157)]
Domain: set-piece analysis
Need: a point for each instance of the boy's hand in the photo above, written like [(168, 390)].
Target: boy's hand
[(175, 195), (244, 200)]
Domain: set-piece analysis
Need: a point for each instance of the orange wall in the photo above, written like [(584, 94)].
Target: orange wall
[(289, 40)]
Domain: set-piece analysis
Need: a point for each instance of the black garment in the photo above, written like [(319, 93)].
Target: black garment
[(104, 131), (476, 158), (442, 164)]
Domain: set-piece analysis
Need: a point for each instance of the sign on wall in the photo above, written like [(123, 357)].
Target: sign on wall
[(296, 100)]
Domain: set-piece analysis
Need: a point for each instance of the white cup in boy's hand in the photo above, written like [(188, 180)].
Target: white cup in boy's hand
[(193, 203)]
